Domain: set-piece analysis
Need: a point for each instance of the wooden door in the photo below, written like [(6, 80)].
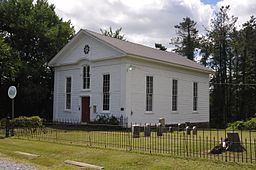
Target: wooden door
[(86, 109)]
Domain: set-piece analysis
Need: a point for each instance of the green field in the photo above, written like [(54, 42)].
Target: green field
[(52, 156), (176, 143)]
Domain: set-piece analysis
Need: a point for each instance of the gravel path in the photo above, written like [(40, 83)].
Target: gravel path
[(12, 165)]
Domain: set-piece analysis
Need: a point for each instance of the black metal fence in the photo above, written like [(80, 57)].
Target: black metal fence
[(2, 132), (152, 139)]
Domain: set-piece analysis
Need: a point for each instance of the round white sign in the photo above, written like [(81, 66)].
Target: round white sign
[(12, 91)]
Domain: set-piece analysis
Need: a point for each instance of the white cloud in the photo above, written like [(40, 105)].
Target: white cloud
[(242, 9), (143, 21)]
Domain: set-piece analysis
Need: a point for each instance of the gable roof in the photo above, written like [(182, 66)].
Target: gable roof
[(144, 52)]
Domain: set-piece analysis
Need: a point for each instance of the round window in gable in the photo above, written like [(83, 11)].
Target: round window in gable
[(86, 49)]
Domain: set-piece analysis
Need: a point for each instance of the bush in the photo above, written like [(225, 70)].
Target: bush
[(237, 125), (250, 124), (3, 122), (27, 122), (106, 119), (243, 125)]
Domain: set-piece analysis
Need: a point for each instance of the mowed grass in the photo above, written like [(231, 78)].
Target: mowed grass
[(176, 143), (53, 155)]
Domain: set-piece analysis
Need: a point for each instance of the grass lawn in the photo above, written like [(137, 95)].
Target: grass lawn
[(176, 143), (53, 156)]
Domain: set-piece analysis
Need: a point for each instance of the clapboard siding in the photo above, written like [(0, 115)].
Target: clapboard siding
[(162, 95), (75, 52), (98, 69)]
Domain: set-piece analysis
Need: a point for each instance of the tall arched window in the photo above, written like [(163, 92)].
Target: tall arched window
[(86, 77)]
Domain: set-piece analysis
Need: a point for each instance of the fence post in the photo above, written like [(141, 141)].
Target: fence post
[(250, 136), (7, 127), (56, 137)]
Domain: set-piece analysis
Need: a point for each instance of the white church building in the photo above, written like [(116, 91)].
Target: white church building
[(97, 75)]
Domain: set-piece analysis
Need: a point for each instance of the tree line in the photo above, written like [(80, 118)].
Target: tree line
[(30, 35), (231, 53)]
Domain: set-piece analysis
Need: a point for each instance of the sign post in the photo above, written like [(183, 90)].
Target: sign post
[(12, 92)]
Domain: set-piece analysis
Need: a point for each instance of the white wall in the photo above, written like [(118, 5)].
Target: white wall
[(59, 94), (162, 92), (70, 63), (98, 69), (127, 90), (75, 51), (117, 99)]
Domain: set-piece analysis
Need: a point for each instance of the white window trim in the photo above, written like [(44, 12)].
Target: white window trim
[(152, 111), (82, 77), (175, 111), (195, 111), (65, 108), (106, 111)]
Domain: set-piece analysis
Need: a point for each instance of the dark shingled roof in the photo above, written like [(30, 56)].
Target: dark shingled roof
[(142, 51)]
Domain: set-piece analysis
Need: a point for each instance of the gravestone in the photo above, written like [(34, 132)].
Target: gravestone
[(159, 128), (162, 121), (194, 130), (147, 130), (188, 130), (135, 131), (235, 143), (171, 129), (180, 127)]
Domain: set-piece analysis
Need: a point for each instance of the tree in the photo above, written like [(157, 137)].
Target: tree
[(113, 34), (222, 27), (160, 47), (205, 50), (9, 65), (187, 39), (247, 69), (36, 34)]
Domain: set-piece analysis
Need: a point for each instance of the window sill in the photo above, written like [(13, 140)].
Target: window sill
[(174, 112), (85, 90), (195, 112), (68, 110), (105, 112), (149, 113)]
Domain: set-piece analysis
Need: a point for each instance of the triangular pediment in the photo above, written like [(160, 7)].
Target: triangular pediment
[(84, 47)]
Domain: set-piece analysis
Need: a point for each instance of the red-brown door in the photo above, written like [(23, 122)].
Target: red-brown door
[(86, 109)]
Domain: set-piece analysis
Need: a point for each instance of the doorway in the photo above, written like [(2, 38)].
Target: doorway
[(86, 109)]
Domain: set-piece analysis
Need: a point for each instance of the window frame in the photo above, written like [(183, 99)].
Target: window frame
[(149, 93), (68, 93), (195, 96), (106, 93), (86, 77), (174, 95)]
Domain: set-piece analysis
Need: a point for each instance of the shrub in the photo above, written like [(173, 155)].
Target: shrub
[(243, 125), (27, 122), (237, 125), (250, 124), (106, 119), (3, 122)]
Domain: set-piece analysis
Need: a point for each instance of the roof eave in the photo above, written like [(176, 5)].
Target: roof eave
[(208, 71), (52, 62)]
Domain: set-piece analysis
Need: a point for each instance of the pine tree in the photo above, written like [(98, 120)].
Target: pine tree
[(222, 26), (187, 39), (113, 34)]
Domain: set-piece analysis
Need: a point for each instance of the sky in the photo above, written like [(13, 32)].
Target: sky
[(147, 21)]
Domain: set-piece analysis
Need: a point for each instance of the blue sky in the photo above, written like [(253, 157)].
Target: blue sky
[(213, 2), (147, 21)]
